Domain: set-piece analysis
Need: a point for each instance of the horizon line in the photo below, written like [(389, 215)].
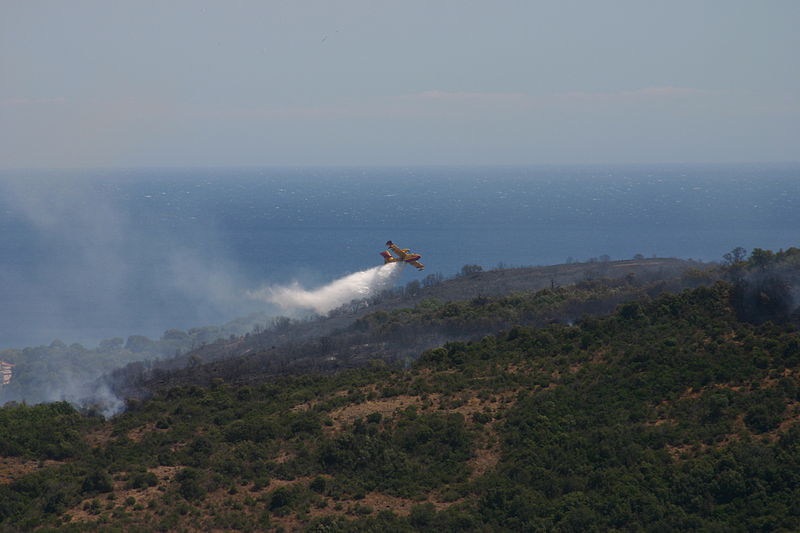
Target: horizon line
[(397, 166)]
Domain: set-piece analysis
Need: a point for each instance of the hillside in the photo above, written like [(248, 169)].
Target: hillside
[(398, 325), (60, 371), (672, 413), (472, 282)]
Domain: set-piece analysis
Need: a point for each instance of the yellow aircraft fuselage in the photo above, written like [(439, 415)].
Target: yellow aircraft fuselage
[(404, 255)]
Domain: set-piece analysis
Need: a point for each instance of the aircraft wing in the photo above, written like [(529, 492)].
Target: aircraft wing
[(396, 249), (417, 264)]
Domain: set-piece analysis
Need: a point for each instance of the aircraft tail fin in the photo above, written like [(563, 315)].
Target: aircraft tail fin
[(387, 257)]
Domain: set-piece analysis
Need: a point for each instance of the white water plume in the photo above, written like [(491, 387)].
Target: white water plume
[(352, 287)]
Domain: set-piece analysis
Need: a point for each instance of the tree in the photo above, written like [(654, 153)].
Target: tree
[(466, 270), (189, 484), (97, 481), (138, 344), (736, 255), (761, 258), (111, 344), (432, 279), (412, 288)]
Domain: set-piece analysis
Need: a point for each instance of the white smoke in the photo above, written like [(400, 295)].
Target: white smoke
[(344, 290)]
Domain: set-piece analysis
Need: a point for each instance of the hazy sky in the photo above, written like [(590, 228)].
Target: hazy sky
[(229, 83)]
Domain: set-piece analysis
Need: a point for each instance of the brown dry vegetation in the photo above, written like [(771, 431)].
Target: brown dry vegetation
[(137, 434), (79, 513), (148, 501), (100, 436), (13, 468), (685, 451)]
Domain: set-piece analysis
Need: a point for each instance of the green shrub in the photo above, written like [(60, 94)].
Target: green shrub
[(141, 480)]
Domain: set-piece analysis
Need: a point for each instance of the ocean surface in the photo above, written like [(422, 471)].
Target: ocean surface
[(88, 255)]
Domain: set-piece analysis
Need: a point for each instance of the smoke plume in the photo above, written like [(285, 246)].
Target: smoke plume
[(771, 293), (323, 299)]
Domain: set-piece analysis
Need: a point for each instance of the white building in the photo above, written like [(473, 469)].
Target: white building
[(5, 372)]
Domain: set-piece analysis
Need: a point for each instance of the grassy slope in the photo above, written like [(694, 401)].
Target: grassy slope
[(666, 415)]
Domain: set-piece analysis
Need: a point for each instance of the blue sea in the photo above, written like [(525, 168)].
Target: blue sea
[(93, 254)]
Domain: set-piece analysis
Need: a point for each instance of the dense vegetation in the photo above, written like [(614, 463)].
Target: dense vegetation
[(45, 431), (674, 413)]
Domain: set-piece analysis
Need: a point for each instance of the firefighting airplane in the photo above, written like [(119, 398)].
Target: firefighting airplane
[(403, 256)]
